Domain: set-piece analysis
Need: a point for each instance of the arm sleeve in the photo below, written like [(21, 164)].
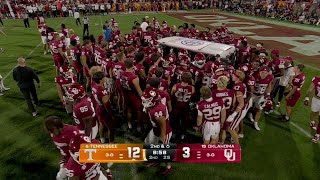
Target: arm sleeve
[(15, 74), (35, 76)]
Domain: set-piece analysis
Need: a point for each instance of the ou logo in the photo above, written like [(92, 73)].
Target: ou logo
[(192, 42)]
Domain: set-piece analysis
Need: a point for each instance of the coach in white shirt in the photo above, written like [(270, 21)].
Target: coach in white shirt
[(287, 77), (144, 25)]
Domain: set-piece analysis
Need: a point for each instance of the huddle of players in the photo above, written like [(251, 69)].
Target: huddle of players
[(134, 75)]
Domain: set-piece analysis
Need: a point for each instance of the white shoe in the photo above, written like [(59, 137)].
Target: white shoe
[(250, 116), (45, 52), (5, 89), (34, 114), (1, 94), (313, 125), (241, 135), (256, 126), (316, 138)]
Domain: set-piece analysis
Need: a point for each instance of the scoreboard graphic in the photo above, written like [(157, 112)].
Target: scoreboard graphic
[(184, 153)]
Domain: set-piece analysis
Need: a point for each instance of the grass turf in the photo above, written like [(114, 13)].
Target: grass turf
[(279, 151)]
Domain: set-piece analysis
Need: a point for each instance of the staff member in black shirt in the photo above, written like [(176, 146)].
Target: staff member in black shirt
[(24, 76)]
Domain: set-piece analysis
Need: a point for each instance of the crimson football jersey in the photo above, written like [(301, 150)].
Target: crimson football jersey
[(55, 45), (169, 71), (183, 93), (126, 80), (207, 74), (155, 112), (244, 55), (84, 109), (261, 84), (75, 53), (179, 71), (197, 72), (43, 29), (100, 55), (138, 67), (165, 97), (117, 69), (75, 37), (65, 32), (164, 84), (148, 36), (40, 19), (98, 92), (276, 66), (316, 83), (85, 171), (226, 95), (65, 83), (211, 109), (62, 141), (298, 81)]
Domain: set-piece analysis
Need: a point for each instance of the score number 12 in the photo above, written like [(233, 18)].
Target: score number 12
[(133, 152)]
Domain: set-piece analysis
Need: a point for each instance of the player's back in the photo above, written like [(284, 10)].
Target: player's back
[(211, 109)]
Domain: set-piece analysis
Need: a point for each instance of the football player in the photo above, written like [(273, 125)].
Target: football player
[(61, 134), (118, 67), (65, 32), (84, 113), (103, 106), (138, 67), (155, 82), (159, 117), (43, 28), (315, 103), (59, 57), (182, 93), (63, 82), (228, 98), (242, 106), (89, 171), (132, 93), (295, 92), (211, 114), (262, 92), (86, 60), (75, 55)]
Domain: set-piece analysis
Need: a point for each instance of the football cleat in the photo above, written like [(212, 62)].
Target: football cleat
[(250, 116), (313, 125), (316, 138), (256, 126), (241, 135)]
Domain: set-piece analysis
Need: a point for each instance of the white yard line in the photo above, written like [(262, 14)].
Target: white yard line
[(301, 129), (30, 53)]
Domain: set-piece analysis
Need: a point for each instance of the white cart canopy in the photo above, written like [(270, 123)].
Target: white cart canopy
[(196, 45)]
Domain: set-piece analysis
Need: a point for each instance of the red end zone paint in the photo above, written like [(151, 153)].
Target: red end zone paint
[(303, 45)]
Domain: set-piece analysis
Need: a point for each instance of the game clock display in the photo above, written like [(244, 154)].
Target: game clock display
[(184, 153)]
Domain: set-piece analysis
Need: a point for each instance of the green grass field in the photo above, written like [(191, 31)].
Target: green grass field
[(280, 151)]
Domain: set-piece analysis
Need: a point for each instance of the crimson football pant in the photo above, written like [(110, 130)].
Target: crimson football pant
[(180, 121), (27, 93)]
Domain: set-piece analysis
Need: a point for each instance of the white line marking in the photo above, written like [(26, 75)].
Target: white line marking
[(30, 53), (301, 129)]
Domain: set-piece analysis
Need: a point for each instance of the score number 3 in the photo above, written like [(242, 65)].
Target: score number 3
[(186, 152), (134, 152)]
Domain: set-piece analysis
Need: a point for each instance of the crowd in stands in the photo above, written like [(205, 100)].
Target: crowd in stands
[(300, 11), (67, 8)]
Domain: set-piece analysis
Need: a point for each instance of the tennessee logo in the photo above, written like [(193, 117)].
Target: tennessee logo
[(192, 42)]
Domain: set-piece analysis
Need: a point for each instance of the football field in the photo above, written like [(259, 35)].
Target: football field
[(279, 151)]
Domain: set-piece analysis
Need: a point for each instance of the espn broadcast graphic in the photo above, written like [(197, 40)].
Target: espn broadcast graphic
[(177, 90)]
